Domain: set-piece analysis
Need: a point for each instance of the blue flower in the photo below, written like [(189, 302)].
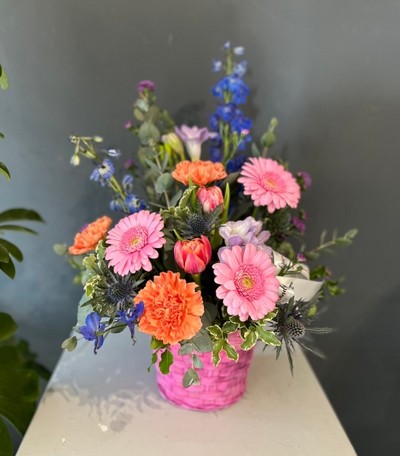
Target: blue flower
[(134, 203), (131, 316), (226, 112), (91, 329), (114, 153), (233, 85), (235, 164), (116, 205), (103, 172), (217, 66), (238, 50), (127, 183), (240, 68)]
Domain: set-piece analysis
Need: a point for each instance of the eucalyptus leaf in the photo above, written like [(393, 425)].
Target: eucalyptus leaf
[(163, 183), (197, 362), (187, 349), (190, 378), (7, 326), (202, 341), (148, 133)]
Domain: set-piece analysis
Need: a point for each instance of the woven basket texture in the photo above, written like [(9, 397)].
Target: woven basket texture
[(219, 387)]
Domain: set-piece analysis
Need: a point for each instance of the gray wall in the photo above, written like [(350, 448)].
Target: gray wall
[(329, 70)]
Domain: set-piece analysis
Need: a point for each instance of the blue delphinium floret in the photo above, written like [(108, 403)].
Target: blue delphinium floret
[(130, 317), (234, 85), (103, 172), (90, 331), (134, 203)]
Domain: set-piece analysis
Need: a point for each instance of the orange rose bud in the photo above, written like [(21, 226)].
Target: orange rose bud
[(193, 256), (210, 198)]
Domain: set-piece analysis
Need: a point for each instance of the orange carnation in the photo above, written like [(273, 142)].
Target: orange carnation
[(199, 172), (87, 239), (172, 308)]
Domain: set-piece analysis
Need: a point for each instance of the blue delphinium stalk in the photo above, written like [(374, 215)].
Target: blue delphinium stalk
[(228, 120), (92, 330)]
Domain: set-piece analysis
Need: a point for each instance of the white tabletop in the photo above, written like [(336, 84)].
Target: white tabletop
[(108, 404)]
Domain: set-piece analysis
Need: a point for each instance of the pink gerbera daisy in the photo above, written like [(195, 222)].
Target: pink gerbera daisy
[(248, 284), (132, 242), (269, 184)]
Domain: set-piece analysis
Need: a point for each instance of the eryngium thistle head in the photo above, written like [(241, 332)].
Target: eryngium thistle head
[(294, 329)]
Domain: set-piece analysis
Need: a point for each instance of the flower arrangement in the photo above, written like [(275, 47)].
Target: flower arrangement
[(216, 246)]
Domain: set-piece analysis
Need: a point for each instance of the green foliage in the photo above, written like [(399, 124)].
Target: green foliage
[(190, 378), (19, 382), (250, 331), (19, 371), (166, 361), (327, 246)]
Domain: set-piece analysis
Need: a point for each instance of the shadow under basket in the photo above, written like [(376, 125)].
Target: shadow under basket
[(219, 387)]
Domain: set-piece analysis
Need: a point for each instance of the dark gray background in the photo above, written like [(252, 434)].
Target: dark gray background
[(330, 72)]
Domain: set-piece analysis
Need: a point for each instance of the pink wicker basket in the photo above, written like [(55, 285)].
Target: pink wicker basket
[(219, 387)]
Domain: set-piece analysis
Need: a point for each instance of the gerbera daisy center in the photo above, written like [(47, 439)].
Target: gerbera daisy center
[(272, 182), (134, 239), (248, 281)]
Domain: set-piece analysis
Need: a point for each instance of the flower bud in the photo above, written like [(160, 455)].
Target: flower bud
[(194, 255), (210, 198), (173, 141)]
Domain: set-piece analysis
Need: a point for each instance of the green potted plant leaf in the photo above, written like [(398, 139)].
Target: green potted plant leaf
[(19, 372)]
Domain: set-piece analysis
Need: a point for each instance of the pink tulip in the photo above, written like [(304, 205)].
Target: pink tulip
[(210, 198), (193, 256)]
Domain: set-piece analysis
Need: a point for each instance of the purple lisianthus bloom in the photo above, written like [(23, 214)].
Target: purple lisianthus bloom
[(243, 232), (145, 84), (103, 172), (130, 317), (90, 331), (193, 137)]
